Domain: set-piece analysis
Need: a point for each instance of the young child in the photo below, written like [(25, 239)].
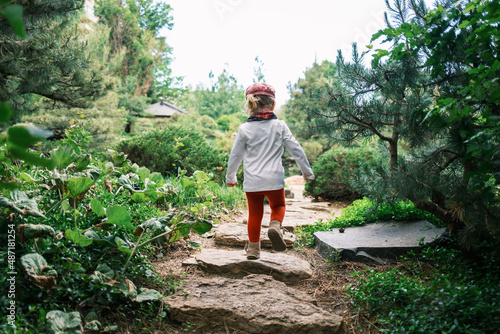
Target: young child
[(259, 143)]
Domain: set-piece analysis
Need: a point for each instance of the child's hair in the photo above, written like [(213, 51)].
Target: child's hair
[(256, 103)]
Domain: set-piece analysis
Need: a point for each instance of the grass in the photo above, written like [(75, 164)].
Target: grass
[(361, 212)]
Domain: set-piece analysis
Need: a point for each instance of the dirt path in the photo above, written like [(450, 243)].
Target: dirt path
[(326, 285)]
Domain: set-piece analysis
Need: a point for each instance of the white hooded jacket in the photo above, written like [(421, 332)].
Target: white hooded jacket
[(260, 146)]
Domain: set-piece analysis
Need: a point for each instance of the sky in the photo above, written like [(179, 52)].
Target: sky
[(286, 35)]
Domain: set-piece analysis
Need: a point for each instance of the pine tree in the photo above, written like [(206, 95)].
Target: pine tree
[(51, 61), (432, 100), (303, 95)]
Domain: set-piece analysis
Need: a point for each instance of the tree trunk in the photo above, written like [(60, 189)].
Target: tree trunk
[(393, 151), (393, 144), (452, 224)]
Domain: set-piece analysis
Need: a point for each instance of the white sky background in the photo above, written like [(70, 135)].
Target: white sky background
[(287, 36)]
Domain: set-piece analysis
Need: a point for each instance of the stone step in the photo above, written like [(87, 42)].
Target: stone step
[(236, 235), (254, 304), (376, 242), (281, 267)]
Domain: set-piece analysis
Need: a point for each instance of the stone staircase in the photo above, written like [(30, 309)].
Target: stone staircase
[(254, 296)]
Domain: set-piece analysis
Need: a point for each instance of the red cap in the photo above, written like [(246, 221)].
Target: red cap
[(260, 88)]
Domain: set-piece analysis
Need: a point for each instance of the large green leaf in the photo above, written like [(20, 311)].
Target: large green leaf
[(92, 322), (5, 112), (26, 177), (62, 156), (105, 270), (78, 186), (153, 226), (123, 246), (128, 288), (125, 182), (59, 322), (82, 161), (139, 197), (38, 270), (119, 216), (97, 208), (22, 153), (32, 231), (105, 241), (202, 226), (21, 203), (26, 136), (147, 294), (156, 178), (14, 14), (143, 173), (118, 157), (77, 238)]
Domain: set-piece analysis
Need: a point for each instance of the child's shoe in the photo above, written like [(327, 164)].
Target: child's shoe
[(276, 236), (253, 250)]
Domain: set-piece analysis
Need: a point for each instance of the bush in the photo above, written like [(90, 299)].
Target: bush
[(171, 148), (441, 292), (334, 170)]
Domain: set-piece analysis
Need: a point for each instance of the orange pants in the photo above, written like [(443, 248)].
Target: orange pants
[(256, 210)]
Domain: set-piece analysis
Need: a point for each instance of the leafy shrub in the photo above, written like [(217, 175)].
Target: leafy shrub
[(334, 170), (84, 229), (439, 293), (173, 148), (364, 211)]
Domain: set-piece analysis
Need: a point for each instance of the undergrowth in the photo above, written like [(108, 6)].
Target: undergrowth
[(438, 291), (77, 239), (361, 212)]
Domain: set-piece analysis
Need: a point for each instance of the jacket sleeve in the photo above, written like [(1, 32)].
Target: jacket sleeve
[(293, 146), (235, 158)]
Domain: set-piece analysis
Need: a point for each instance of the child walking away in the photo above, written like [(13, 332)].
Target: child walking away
[(259, 143)]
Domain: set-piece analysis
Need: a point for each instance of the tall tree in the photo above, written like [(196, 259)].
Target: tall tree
[(435, 91), (51, 61), (258, 71), (134, 38), (224, 96), (302, 97)]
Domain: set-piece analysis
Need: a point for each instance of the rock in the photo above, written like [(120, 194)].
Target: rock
[(375, 242), (282, 267), (324, 207), (236, 235), (190, 261), (289, 193), (255, 304)]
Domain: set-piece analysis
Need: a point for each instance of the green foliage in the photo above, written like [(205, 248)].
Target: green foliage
[(258, 71), (302, 99), (144, 55), (420, 294), (52, 60), (14, 14), (202, 194), (102, 219), (434, 87), (59, 322), (104, 122), (334, 170), (167, 150), (223, 97), (364, 211)]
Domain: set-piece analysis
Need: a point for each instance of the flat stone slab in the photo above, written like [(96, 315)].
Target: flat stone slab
[(281, 267), (254, 304), (375, 242), (236, 235)]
